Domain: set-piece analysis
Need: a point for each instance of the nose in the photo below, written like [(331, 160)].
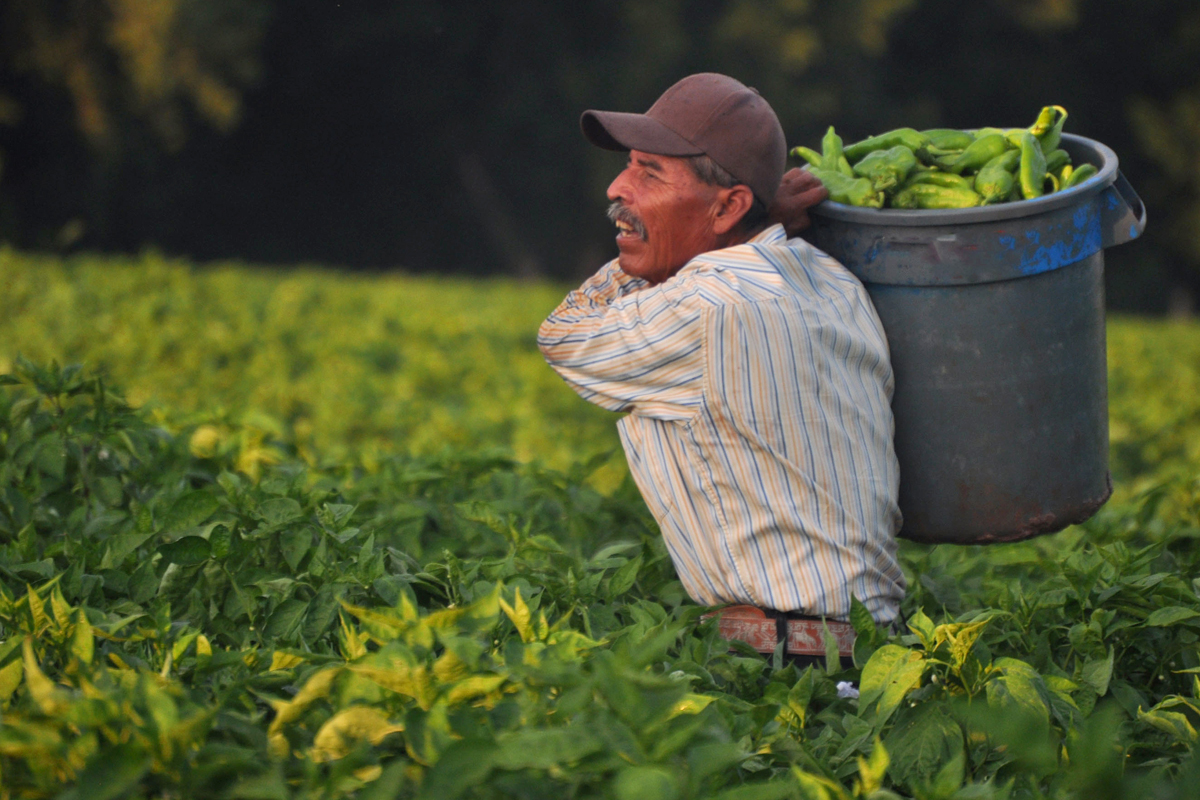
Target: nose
[(619, 188)]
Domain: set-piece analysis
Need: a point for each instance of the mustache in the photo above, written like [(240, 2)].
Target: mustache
[(619, 212)]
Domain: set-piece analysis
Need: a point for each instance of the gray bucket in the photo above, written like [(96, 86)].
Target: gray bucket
[(995, 320)]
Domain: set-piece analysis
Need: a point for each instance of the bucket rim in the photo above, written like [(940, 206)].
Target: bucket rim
[(1106, 174)]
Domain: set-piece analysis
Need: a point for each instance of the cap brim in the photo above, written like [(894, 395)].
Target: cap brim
[(615, 130)]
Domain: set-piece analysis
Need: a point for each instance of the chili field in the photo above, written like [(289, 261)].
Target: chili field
[(306, 534)]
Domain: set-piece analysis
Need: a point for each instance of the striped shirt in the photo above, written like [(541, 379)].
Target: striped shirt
[(759, 430)]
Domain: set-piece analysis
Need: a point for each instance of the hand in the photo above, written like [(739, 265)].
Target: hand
[(799, 191)]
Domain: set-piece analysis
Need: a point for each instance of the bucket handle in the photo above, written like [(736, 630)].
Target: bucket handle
[(1122, 213)]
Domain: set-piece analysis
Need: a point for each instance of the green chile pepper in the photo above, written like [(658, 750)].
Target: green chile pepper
[(937, 157), (1079, 175), (1044, 121), (912, 139), (845, 189), (886, 168), (949, 138), (808, 154), (947, 167), (980, 152), (832, 155), (1032, 172), (927, 195), (1014, 136), (937, 178), (1056, 159), (995, 180), (1049, 133)]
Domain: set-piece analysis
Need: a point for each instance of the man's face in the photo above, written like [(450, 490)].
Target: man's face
[(664, 215)]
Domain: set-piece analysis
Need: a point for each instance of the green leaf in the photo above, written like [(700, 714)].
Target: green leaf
[(285, 620), (1171, 615), (333, 515), (188, 511), (463, 765), (923, 627), (110, 773), (773, 790), (922, 743), (546, 748), (1170, 722), (110, 491), (177, 580), (83, 641), (949, 778), (144, 582), (44, 569), (186, 551), (52, 456), (861, 619), (872, 770), (389, 785), (221, 541), (119, 548), (10, 679), (610, 550), (295, 544), (321, 613), (280, 510), (801, 694), (1017, 688), (708, 759), (266, 786), (1098, 673), (891, 673), (623, 579), (833, 660), (645, 783)]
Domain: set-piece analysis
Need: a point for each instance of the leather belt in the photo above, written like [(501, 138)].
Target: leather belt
[(761, 630)]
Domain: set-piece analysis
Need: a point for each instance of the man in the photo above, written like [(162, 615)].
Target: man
[(753, 367)]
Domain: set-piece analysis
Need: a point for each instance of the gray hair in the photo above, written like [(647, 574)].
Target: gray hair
[(711, 173)]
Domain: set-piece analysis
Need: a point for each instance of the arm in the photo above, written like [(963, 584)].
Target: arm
[(600, 290), (628, 346)]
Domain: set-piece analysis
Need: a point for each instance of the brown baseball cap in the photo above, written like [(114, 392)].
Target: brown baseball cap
[(707, 114)]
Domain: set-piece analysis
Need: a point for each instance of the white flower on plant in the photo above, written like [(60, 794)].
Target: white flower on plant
[(846, 689)]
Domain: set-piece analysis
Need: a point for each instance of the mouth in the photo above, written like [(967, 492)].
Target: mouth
[(628, 224)]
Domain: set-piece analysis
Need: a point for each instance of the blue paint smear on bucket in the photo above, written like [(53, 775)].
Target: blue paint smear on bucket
[(1081, 217), (1008, 242), (872, 254), (1133, 231), (1066, 249)]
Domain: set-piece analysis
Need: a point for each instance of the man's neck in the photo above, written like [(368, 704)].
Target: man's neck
[(741, 235)]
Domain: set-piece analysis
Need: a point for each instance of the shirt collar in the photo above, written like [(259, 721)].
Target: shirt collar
[(772, 234)]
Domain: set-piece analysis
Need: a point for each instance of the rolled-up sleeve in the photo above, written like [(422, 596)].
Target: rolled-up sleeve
[(628, 346)]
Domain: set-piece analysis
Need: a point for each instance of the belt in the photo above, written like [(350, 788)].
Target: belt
[(762, 629)]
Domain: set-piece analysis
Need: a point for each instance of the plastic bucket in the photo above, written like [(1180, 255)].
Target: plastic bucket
[(995, 320)]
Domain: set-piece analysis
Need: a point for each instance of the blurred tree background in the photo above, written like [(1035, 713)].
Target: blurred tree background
[(443, 136)]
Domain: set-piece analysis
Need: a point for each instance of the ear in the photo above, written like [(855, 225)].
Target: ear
[(731, 205)]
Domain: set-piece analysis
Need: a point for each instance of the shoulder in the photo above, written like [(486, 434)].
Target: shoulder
[(754, 271)]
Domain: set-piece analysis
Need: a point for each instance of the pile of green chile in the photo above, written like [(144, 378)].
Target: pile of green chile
[(945, 168)]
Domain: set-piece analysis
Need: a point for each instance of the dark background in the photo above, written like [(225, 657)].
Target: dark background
[(443, 136)]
